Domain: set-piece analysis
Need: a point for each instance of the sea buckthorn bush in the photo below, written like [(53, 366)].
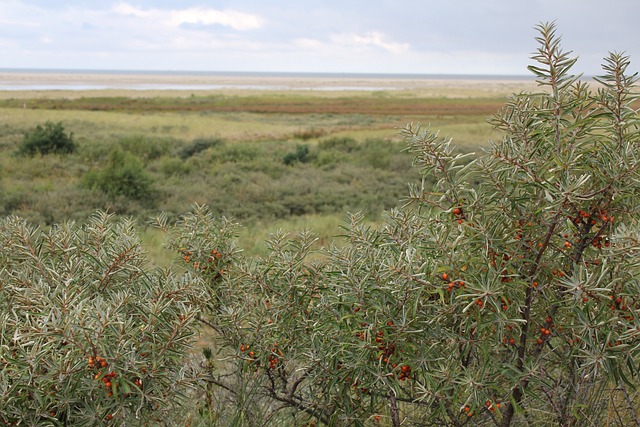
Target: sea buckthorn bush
[(90, 333), (505, 294)]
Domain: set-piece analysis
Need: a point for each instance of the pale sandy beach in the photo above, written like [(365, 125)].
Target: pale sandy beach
[(21, 84)]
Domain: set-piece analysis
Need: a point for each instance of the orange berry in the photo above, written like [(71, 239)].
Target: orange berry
[(445, 276), (457, 211)]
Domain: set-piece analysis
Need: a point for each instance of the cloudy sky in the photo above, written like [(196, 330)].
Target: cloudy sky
[(342, 36)]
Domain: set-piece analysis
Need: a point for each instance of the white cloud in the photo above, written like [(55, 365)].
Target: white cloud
[(331, 35), (194, 15), (235, 20), (374, 38)]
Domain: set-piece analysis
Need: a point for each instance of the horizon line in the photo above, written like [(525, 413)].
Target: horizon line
[(265, 73)]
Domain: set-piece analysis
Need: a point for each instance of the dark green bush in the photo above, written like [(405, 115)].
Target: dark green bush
[(199, 145), (124, 175), (300, 154), (48, 139)]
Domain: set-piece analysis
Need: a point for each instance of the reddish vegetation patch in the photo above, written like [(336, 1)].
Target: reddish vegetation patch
[(269, 104)]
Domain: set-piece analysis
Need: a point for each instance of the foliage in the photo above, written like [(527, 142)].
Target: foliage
[(301, 154), (505, 294), (48, 139), (345, 144), (146, 148), (91, 333), (197, 146), (123, 175)]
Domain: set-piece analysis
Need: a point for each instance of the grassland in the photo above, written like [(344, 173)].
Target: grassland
[(227, 149)]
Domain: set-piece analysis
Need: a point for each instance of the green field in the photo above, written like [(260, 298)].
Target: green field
[(229, 150)]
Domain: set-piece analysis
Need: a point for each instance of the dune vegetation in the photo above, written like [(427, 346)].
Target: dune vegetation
[(493, 281)]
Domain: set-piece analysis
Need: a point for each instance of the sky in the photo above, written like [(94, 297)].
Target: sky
[(494, 37)]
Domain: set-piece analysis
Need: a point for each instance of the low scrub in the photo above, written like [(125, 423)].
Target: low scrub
[(48, 139), (123, 175)]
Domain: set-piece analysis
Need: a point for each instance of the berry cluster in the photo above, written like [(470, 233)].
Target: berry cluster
[(99, 364), (209, 262)]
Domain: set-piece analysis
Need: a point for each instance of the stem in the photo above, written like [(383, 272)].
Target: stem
[(296, 402), (517, 392), (632, 407), (393, 409)]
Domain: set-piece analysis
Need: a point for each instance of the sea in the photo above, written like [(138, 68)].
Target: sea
[(89, 80)]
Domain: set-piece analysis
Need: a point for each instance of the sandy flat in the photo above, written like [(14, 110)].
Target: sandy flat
[(13, 84)]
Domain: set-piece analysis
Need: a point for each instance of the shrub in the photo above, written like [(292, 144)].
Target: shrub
[(346, 144), (199, 145), (174, 167), (48, 139), (123, 175), (146, 148), (506, 294), (91, 333), (301, 154)]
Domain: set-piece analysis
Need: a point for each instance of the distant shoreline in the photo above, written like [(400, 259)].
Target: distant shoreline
[(96, 80), (268, 74)]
